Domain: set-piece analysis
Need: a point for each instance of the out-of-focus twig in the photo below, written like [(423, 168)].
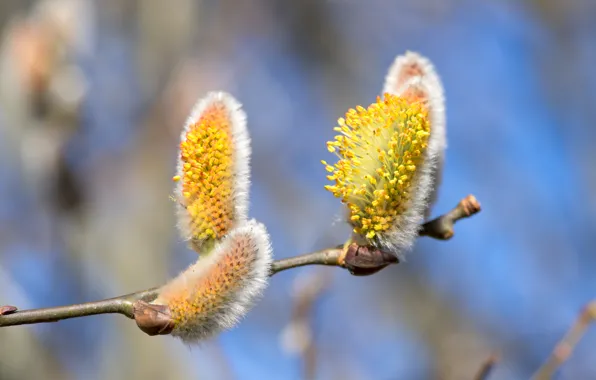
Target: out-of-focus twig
[(564, 348), (440, 228), (298, 336), (487, 367)]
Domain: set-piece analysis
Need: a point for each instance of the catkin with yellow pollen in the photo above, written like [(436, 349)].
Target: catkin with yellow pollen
[(390, 157), (381, 152), (213, 170), (213, 294)]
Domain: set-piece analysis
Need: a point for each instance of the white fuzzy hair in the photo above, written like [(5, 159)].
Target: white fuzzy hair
[(226, 311), (413, 72), (241, 146)]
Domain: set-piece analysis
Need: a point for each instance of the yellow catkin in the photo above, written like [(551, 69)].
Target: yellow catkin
[(206, 154), (215, 292), (380, 150), (199, 303)]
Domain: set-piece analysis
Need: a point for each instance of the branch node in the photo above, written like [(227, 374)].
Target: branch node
[(366, 260), (153, 319), (7, 309)]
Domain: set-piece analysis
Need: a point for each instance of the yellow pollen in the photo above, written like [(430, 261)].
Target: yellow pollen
[(207, 156), (380, 149)]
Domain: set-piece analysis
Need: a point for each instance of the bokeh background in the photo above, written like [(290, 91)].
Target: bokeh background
[(93, 95)]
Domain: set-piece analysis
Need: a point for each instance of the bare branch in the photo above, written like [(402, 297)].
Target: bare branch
[(54, 314), (328, 256), (564, 348), (440, 228), (125, 305)]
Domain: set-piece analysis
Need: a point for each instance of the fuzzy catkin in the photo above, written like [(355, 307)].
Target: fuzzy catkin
[(213, 170), (214, 293)]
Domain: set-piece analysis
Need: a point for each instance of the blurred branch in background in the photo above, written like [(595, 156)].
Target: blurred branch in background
[(487, 367), (42, 91), (129, 304), (298, 337), (564, 348)]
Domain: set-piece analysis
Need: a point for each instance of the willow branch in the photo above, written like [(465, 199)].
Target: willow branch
[(440, 228), (328, 256), (564, 348)]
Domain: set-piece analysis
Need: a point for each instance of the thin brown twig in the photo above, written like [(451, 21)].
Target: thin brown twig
[(487, 367), (564, 348), (442, 227), (328, 256), (439, 228), (125, 304)]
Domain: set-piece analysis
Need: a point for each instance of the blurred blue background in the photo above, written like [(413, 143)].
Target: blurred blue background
[(93, 95)]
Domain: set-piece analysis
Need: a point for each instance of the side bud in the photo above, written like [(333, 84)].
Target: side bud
[(213, 294), (213, 171)]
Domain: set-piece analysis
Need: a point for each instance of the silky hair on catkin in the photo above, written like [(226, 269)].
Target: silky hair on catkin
[(214, 293), (413, 75)]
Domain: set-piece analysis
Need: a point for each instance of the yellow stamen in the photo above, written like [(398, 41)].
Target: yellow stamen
[(381, 150), (207, 177)]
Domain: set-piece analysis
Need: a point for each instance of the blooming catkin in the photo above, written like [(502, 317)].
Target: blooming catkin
[(212, 194), (213, 171), (213, 294), (388, 155)]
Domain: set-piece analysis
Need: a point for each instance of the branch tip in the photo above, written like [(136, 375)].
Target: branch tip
[(442, 227), (470, 205)]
